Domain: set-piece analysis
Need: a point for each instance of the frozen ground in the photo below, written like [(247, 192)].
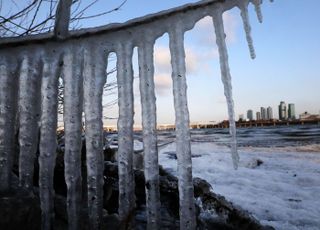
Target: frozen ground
[(284, 191)]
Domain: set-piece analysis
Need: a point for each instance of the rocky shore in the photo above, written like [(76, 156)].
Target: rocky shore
[(20, 210)]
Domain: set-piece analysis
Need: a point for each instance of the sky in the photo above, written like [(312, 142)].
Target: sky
[(286, 68)]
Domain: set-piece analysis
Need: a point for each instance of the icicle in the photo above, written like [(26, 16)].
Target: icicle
[(257, 7), (226, 79), (94, 77), (186, 196), (247, 28), (29, 115), (8, 86), (73, 83), (149, 120), (48, 140), (125, 131)]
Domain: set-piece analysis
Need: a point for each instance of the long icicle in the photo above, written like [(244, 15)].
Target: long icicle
[(73, 92), (8, 88), (125, 132), (186, 194), (243, 5), (29, 115), (149, 125), (226, 79), (48, 139), (94, 77)]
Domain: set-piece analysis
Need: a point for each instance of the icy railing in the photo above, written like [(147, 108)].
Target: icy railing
[(29, 72)]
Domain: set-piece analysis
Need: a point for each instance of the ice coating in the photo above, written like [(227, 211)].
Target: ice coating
[(125, 130), (8, 92), (48, 141), (94, 78), (149, 119), (73, 92), (246, 25), (120, 38), (226, 79), (29, 115), (183, 150)]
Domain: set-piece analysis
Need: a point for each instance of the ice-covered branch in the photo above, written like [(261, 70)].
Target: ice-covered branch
[(125, 130), (149, 120), (186, 200), (94, 77)]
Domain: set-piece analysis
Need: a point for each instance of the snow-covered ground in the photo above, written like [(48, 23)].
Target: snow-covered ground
[(284, 191)]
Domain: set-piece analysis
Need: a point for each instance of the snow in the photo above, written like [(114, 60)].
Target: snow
[(283, 191)]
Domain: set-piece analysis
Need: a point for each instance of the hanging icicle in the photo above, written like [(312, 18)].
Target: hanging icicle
[(73, 92), (186, 196), (29, 115), (243, 6), (48, 139), (125, 131), (257, 8), (149, 125), (94, 77), (8, 95), (226, 79)]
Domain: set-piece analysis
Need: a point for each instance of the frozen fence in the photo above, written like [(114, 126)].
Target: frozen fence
[(29, 71)]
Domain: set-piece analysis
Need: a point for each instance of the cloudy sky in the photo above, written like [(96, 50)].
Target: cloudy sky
[(286, 68)]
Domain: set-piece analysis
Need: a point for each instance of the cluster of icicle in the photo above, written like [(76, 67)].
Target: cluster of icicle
[(28, 101)]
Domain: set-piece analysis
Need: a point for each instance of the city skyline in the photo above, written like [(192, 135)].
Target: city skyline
[(286, 67), (279, 71)]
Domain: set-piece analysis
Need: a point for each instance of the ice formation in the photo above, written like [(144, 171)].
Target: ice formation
[(33, 63), (149, 125)]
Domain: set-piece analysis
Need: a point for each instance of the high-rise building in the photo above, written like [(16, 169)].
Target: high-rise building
[(263, 113), (258, 116), (291, 112), (241, 117), (250, 115), (282, 111), (269, 113)]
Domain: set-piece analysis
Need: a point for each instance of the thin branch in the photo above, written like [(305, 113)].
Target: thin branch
[(100, 14)]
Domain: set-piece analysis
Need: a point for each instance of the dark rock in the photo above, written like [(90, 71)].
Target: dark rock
[(19, 213)]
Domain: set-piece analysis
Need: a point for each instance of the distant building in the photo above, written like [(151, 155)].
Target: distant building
[(263, 113), (269, 113), (250, 115), (307, 116), (241, 117), (282, 111), (258, 116), (291, 112)]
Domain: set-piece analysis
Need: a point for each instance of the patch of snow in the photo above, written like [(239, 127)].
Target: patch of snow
[(284, 191)]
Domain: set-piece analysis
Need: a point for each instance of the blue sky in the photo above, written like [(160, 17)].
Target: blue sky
[(286, 68)]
